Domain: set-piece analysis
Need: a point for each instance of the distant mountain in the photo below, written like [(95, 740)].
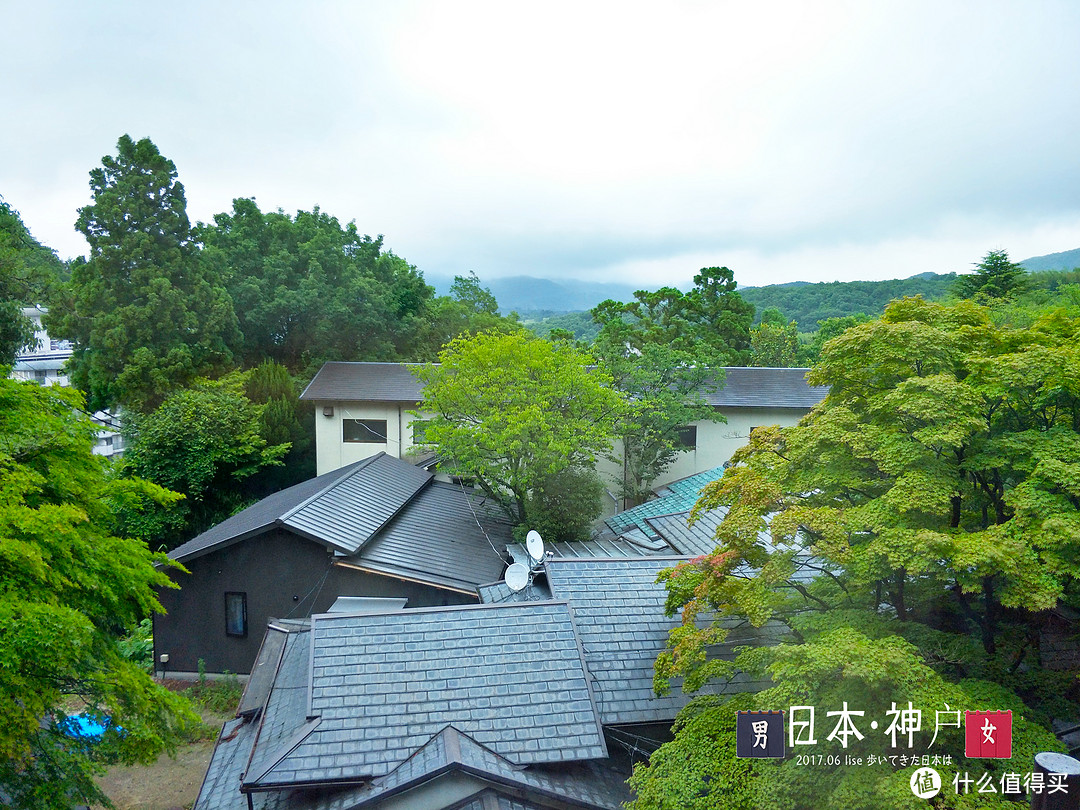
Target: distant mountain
[(1066, 260), (527, 295)]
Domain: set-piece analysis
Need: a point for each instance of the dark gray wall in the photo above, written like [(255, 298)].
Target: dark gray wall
[(280, 573)]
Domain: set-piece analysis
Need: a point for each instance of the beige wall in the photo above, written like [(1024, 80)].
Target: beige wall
[(332, 452), (716, 442)]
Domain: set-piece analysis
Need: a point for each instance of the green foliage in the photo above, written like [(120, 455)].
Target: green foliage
[(201, 442), (995, 278), (513, 411), (70, 587), (774, 345), (307, 290), (138, 645), (469, 309), (807, 303), (935, 494), (284, 419), (145, 315), (712, 321), (218, 695), (27, 271), (564, 505)]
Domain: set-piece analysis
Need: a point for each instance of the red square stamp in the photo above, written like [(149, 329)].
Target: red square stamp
[(988, 735)]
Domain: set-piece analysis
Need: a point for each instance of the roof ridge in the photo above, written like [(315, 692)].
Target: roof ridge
[(364, 464)]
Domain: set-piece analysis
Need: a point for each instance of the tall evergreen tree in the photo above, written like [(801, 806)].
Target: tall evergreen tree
[(146, 316)]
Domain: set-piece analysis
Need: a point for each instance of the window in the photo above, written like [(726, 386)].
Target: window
[(686, 437), (236, 614), (419, 431), (41, 376), (364, 431)]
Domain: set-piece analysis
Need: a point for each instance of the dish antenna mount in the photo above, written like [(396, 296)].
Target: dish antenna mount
[(517, 577), (534, 544)]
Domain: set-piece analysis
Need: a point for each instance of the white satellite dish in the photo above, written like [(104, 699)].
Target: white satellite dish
[(517, 577), (535, 546)]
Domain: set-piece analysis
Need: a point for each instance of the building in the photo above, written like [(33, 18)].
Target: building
[(44, 362), (540, 701), (366, 408), (377, 528)]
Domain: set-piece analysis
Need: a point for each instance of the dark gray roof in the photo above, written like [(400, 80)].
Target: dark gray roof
[(766, 388), (365, 382), (619, 615), (259, 516), (395, 382), (694, 540), (381, 685), (437, 539), (347, 513)]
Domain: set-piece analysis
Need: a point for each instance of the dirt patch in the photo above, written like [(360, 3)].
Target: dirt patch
[(171, 783)]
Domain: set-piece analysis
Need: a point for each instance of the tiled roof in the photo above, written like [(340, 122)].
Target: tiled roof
[(678, 496), (395, 382), (694, 540), (619, 615), (510, 676), (365, 382)]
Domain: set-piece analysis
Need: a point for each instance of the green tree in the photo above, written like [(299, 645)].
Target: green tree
[(203, 442), (933, 494), (468, 310), (307, 289), (28, 270), (774, 345), (712, 321), (514, 412), (70, 586), (144, 314), (283, 420), (995, 278)]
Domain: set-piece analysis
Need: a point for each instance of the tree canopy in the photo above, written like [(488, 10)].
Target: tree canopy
[(28, 270), (515, 412), (143, 312), (933, 497), (995, 278), (69, 587)]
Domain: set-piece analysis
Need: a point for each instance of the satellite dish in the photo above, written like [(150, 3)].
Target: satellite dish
[(517, 577), (535, 546)]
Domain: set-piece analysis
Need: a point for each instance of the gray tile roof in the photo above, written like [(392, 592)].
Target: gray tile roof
[(510, 676), (365, 382), (619, 615), (437, 539), (766, 388), (678, 496), (591, 784), (694, 540), (395, 382)]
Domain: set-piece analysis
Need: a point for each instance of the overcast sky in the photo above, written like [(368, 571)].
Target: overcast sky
[(605, 141)]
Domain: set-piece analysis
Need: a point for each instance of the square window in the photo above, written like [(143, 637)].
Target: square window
[(236, 614), (686, 437), (363, 431)]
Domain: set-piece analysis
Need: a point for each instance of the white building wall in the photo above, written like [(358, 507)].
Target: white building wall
[(333, 452)]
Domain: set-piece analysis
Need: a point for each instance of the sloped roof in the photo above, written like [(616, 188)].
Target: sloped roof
[(395, 382), (341, 509), (365, 382), (381, 685), (619, 616), (678, 496), (438, 539)]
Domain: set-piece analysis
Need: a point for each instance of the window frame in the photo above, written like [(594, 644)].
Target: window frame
[(362, 425), (243, 614), (681, 433)]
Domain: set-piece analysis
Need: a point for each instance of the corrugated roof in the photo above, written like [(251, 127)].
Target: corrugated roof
[(348, 512), (395, 382), (365, 382), (619, 615), (510, 676), (437, 539), (342, 508)]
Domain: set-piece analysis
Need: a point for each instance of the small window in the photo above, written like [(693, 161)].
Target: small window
[(419, 431), (236, 614), (41, 376), (755, 427), (686, 437), (364, 431)]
